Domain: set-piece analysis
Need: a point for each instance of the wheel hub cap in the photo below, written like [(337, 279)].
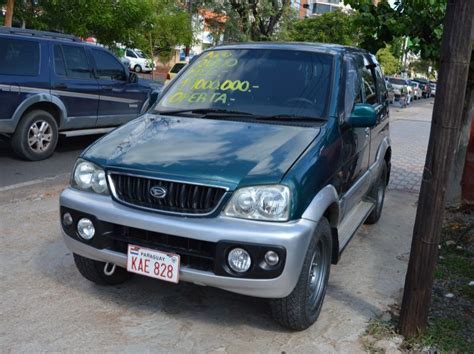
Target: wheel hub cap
[(39, 136)]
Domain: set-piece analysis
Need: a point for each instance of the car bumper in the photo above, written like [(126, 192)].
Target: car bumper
[(292, 236), (7, 125)]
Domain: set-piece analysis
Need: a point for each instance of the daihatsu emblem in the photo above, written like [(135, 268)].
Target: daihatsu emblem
[(158, 192)]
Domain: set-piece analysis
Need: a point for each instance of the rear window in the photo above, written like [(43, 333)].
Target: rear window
[(397, 81), (19, 57), (177, 67)]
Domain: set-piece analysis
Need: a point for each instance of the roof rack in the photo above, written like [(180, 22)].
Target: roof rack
[(35, 33)]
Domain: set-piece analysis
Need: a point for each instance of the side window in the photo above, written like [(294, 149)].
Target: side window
[(352, 87), (108, 67), (77, 66), (59, 66), (19, 57), (369, 86), (131, 54), (381, 88)]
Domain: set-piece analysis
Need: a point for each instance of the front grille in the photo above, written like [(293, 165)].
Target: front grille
[(183, 198), (195, 254)]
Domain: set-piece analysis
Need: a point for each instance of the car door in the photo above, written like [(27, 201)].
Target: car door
[(381, 129), (120, 100), (355, 141), (72, 80)]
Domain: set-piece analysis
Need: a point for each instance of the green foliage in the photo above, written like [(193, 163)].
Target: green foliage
[(154, 25), (421, 22), (332, 27), (387, 60)]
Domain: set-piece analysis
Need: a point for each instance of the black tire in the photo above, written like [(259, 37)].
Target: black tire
[(94, 271), (30, 146), (301, 308), (137, 68), (377, 193)]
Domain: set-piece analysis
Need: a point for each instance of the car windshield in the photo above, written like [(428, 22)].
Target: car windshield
[(261, 82), (397, 81)]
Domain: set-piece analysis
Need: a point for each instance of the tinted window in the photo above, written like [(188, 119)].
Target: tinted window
[(77, 66), (352, 87), (108, 67), (19, 57), (256, 81), (177, 67), (381, 88), (369, 86), (397, 81), (59, 66), (131, 54)]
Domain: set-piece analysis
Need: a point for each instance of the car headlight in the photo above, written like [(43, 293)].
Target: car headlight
[(89, 177), (270, 203)]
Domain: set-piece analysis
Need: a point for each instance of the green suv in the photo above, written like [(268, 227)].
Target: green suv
[(251, 173)]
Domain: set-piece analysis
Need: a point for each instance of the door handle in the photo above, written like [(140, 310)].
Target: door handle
[(60, 86)]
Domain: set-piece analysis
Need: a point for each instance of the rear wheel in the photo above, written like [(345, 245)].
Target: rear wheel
[(377, 193), (36, 136), (301, 308), (97, 272)]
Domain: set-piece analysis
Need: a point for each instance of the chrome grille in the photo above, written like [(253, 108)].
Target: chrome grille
[(180, 198)]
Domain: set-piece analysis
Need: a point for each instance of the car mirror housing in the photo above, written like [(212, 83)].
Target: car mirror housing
[(132, 78), (363, 115)]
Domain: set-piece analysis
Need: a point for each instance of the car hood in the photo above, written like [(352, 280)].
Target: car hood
[(203, 150), (154, 85)]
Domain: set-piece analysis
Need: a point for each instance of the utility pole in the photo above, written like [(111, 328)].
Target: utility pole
[(190, 11), (445, 129), (9, 13)]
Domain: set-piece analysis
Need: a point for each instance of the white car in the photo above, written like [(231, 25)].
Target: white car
[(138, 61)]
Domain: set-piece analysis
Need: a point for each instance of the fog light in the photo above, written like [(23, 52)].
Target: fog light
[(239, 260), (67, 219), (271, 258), (85, 228)]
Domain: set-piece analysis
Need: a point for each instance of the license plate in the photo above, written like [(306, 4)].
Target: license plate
[(154, 264)]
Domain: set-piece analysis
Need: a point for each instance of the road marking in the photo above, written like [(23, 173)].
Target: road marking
[(35, 181)]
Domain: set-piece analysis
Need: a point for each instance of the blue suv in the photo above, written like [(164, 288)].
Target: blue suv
[(51, 82)]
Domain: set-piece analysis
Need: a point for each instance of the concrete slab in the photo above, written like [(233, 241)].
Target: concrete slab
[(47, 306)]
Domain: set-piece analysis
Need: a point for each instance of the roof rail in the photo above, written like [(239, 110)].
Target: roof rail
[(35, 33)]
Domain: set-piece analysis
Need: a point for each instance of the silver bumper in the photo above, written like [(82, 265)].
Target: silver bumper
[(294, 236)]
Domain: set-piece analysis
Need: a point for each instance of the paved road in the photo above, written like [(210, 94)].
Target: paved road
[(409, 131)]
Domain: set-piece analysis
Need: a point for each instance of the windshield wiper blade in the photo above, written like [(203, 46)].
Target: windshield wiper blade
[(290, 117), (206, 111)]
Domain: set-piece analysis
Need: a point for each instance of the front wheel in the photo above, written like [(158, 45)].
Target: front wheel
[(138, 69), (301, 308)]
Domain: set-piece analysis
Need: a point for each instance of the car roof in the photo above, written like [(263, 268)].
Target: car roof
[(19, 33), (307, 46)]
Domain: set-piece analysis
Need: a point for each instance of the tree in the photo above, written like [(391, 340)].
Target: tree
[(387, 60), (9, 13), (332, 27)]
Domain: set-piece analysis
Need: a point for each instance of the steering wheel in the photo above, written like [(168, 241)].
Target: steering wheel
[(301, 99)]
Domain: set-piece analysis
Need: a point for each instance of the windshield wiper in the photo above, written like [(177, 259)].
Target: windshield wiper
[(206, 111), (291, 117)]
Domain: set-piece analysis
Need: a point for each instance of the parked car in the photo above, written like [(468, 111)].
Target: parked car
[(398, 84), (433, 88), (175, 69), (51, 83), (425, 87), (238, 178), (417, 94), (390, 93), (138, 60)]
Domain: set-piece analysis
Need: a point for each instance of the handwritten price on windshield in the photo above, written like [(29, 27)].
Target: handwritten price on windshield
[(227, 85)]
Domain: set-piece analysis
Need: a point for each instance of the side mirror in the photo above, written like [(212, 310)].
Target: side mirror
[(363, 115), (132, 78)]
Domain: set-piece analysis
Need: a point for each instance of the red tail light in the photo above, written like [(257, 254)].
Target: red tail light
[(168, 76)]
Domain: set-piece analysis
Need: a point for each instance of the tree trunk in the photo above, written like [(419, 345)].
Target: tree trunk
[(444, 136), (9, 13)]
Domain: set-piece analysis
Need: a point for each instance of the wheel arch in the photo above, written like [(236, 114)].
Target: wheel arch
[(43, 101), (326, 204)]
